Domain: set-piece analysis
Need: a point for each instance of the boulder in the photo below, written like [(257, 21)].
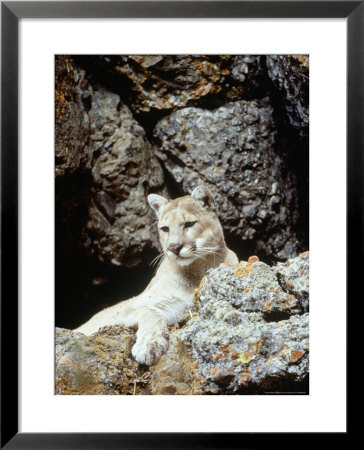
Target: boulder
[(98, 365), (248, 335), (231, 150), (124, 170)]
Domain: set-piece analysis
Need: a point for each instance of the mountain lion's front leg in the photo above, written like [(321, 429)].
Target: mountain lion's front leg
[(152, 337), (119, 314)]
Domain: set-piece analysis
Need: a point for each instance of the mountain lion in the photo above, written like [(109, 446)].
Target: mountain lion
[(192, 242)]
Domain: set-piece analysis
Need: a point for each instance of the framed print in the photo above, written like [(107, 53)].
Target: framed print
[(233, 143)]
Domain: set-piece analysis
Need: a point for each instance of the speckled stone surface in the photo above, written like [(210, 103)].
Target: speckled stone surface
[(124, 170), (250, 287), (239, 340), (231, 150), (294, 278), (97, 365)]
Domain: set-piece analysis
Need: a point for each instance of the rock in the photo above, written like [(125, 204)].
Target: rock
[(293, 277), (290, 74), (106, 205), (71, 120), (169, 82), (235, 344), (231, 150), (97, 365), (124, 169), (247, 336), (251, 287), (249, 70)]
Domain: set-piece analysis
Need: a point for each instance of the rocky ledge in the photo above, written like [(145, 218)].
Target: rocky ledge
[(248, 334)]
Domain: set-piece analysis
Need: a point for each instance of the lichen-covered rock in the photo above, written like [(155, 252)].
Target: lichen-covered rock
[(235, 345), (71, 120), (96, 365), (294, 279), (231, 151), (250, 286), (224, 351), (124, 169), (247, 336), (290, 74)]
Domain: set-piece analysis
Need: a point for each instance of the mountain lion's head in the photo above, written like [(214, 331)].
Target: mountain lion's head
[(188, 226)]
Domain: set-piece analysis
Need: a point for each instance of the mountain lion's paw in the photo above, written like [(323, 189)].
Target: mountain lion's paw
[(149, 352)]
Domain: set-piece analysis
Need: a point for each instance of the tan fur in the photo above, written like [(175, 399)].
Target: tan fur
[(168, 296)]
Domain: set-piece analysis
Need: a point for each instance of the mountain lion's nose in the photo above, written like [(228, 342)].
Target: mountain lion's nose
[(175, 248)]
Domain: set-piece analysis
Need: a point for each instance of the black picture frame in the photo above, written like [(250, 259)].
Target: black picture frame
[(11, 12)]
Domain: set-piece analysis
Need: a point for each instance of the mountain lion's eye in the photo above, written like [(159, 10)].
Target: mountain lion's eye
[(189, 224), (165, 229)]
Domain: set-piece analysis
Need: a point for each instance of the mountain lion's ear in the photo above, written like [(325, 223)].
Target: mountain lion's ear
[(156, 202), (204, 196)]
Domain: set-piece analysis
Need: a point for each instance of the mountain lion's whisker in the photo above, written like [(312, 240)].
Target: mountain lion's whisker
[(157, 258)]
